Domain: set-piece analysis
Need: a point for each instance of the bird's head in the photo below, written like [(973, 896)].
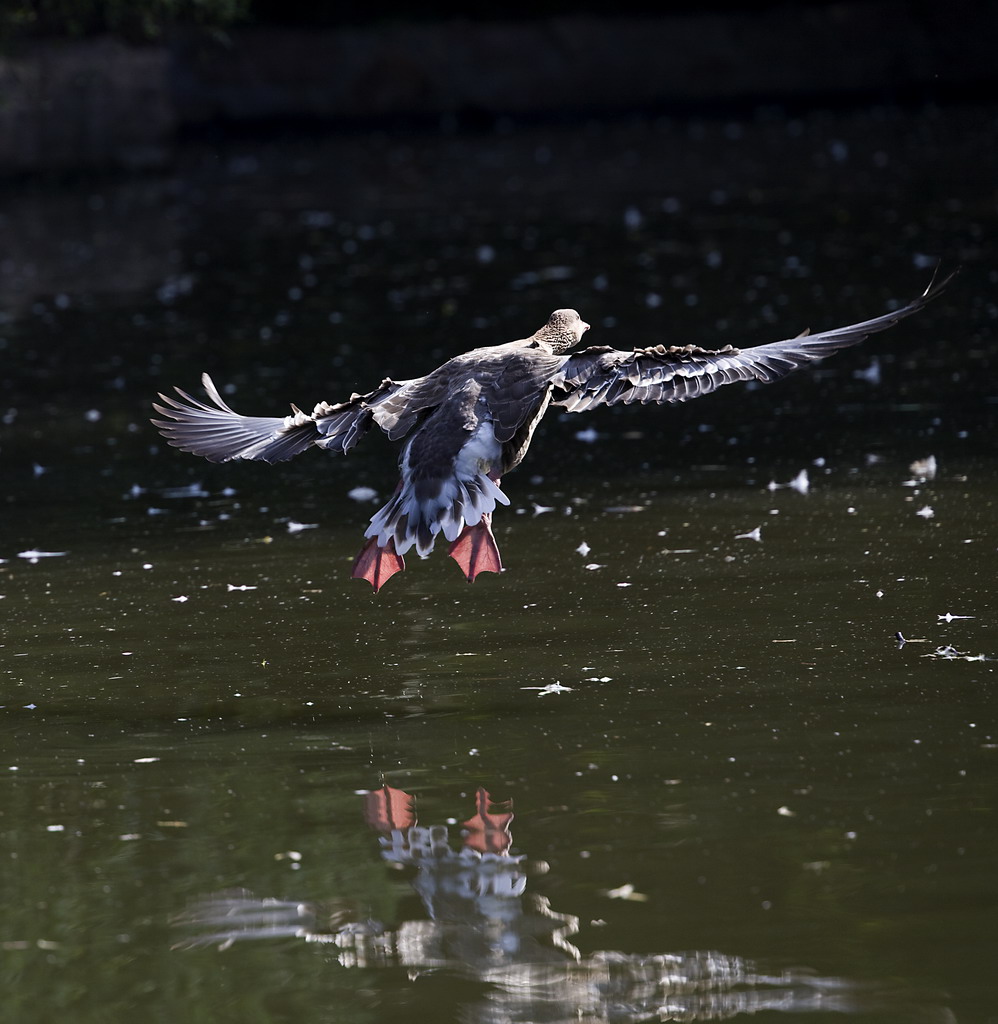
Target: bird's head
[(563, 330)]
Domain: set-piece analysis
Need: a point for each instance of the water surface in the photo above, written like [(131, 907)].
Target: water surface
[(665, 766)]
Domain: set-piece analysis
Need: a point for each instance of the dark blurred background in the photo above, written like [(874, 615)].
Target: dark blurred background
[(114, 83)]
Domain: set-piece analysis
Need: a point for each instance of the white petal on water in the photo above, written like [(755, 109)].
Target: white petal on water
[(294, 527), (785, 812), (181, 599), (362, 494), (755, 534), (593, 566), (948, 617), (583, 549), (926, 512), (230, 587), (539, 510)]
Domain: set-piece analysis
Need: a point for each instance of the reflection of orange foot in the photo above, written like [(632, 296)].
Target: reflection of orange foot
[(387, 809), (475, 550), (489, 828), (377, 565)]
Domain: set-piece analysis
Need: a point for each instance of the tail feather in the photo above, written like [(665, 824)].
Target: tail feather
[(408, 521)]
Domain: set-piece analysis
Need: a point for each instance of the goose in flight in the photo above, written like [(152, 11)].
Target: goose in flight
[(470, 421)]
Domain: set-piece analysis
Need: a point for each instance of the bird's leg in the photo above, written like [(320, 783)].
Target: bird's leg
[(475, 550), (377, 565)]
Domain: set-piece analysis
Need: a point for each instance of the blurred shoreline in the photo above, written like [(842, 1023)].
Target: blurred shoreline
[(71, 105)]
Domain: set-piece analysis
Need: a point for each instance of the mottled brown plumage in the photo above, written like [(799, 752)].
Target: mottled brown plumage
[(472, 419)]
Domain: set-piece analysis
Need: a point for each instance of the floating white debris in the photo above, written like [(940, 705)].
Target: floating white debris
[(948, 617), (583, 549), (593, 566), (37, 470), (362, 494), (181, 599), (587, 436), (34, 555), (785, 812), (294, 527), (145, 760), (755, 534), (55, 828), (924, 469), (625, 584), (539, 510), (801, 483), (230, 587), (871, 374), (926, 512), (879, 593), (950, 653), (625, 892), (543, 691), (187, 491)]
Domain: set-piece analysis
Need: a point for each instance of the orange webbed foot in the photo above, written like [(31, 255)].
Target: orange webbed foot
[(377, 565)]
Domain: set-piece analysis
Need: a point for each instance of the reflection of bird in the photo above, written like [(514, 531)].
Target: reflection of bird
[(471, 420)]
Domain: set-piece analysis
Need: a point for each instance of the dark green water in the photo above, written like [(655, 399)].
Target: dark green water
[(732, 790)]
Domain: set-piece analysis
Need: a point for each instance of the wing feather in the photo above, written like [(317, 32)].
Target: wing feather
[(606, 376), (220, 434)]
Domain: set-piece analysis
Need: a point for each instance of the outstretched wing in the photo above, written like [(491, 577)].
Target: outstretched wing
[(606, 376), (220, 433)]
